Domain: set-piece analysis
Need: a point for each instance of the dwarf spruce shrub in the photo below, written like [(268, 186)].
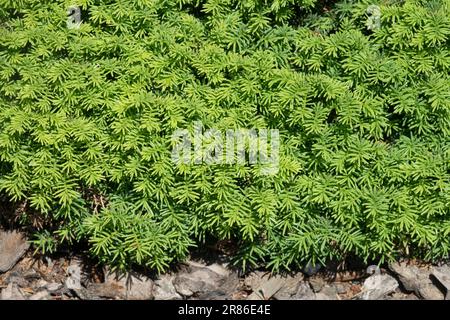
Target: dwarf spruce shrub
[(359, 91)]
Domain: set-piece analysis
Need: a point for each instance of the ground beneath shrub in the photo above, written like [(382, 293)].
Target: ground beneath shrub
[(65, 277)]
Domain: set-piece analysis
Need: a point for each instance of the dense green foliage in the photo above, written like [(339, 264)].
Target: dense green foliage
[(363, 110)]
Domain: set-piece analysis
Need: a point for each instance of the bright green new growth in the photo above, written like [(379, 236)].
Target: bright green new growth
[(86, 117)]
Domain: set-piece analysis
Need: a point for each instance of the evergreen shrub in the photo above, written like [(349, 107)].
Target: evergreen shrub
[(359, 91)]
